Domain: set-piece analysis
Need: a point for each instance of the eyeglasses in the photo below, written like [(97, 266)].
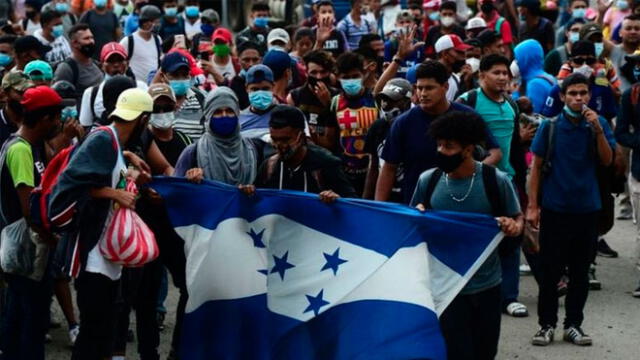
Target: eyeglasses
[(581, 60)]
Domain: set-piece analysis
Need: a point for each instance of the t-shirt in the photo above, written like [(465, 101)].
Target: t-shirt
[(602, 101), (410, 144), (189, 116), (6, 127), (336, 44), (374, 145), (618, 60), (191, 29), (543, 32), (454, 87), (168, 29), (505, 27), (227, 70), (32, 27), (86, 116), (103, 27), (322, 123), (572, 186), (254, 125), (489, 274), (353, 31), (60, 48), (88, 75), (144, 58), (500, 119), (173, 148)]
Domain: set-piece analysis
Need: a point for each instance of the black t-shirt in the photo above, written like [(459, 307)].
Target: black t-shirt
[(322, 122), (374, 144), (335, 44), (543, 33), (238, 86), (173, 148)]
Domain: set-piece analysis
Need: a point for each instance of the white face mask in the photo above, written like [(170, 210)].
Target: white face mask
[(515, 69), (474, 63), (585, 70), (447, 21), (162, 121)]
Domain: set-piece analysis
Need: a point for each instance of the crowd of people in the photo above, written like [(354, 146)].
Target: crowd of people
[(522, 110)]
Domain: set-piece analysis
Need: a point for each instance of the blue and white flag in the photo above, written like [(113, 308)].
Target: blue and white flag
[(281, 275)]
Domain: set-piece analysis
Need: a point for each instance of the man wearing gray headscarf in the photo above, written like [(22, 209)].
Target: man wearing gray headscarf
[(221, 154)]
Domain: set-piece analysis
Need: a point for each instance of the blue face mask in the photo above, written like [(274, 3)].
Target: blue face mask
[(62, 7), (261, 99), (192, 11), (57, 31), (599, 48), (171, 11), (622, 5), (261, 22), (434, 16), (351, 87), (69, 112), (573, 114), (223, 126), (180, 87), (579, 13), (100, 4), (207, 29), (5, 59), (573, 37)]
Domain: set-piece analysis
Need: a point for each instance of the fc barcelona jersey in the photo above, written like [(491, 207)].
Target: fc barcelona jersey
[(355, 117)]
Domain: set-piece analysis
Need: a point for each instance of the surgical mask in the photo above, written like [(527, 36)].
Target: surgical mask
[(57, 31), (207, 29), (448, 163), (585, 70), (221, 50), (192, 11), (622, 5), (162, 121), (5, 59), (100, 4), (261, 22), (434, 16), (579, 13), (573, 37), (62, 7), (180, 87), (351, 87), (171, 11), (224, 125), (474, 63), (573, 114), (447, 21), (261, 99), (599, 48), (69, 112), (515, 69)]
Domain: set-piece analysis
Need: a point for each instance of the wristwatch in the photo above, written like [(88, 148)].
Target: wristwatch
[(397, 60)]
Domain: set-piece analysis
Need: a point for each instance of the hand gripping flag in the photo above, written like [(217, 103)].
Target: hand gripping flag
[(281, 275)]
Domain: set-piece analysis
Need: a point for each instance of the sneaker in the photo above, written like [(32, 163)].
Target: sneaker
[(626, 214), (594, 284), (605, 251), (525, 269), (575, 335), (544, 336), (636, 293), (73, 334)]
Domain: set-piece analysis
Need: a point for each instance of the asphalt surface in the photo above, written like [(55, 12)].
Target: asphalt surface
[(612, 315)]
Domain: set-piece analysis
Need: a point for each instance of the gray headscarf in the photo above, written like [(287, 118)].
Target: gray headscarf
[(232, 160)]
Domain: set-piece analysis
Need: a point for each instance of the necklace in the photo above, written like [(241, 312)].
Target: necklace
[(446, 180)]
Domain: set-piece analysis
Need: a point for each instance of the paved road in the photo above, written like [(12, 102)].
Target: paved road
[(612, 315)]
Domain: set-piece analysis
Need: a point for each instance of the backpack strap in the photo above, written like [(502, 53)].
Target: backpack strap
[(73, 18), (514, 106), (498, 25), (546, 77), (129, 47), (92, 101), (470, 100), (156, 39), (490, 181), (184, 138), (74, 69), (431, 186), (546, 163)]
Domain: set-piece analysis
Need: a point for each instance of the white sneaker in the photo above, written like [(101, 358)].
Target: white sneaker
[(525, 269), (73, 334)]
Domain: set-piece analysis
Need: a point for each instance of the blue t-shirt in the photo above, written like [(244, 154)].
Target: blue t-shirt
[(168, 29), (572, 186), (254, 125), (416, 57), (409, 144), (602, 101), (489, 274)]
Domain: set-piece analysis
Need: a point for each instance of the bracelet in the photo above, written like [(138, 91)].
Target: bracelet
[(397, 60)]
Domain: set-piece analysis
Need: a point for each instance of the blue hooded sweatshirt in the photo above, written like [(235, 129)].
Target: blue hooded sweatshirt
[(538, 83)]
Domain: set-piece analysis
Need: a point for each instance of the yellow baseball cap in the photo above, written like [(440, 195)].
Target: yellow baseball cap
[(132, 103)]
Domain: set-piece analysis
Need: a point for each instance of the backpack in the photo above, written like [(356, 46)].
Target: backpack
[(130, 43), (73, 64), (39, 198)]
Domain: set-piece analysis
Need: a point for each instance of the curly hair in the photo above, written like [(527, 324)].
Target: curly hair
[(467, 128)]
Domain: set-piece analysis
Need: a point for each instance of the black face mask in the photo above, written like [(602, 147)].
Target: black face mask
[(448, 163), (457, 66), (88, 49), (315, 81), (487, 8), (30, 14)]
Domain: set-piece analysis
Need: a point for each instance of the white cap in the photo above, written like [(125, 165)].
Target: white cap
[(278, 35), (446, 42), (476, 23)]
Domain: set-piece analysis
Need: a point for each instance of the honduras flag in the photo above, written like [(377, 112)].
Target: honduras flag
[(281, 275)]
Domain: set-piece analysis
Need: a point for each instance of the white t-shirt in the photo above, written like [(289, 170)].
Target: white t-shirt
[(145, 55), (227, 71), (86, 115), (32, 27), (454, 80), (60, 49), (190, 29)]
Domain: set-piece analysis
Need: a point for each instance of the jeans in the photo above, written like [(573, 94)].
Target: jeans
[(634, 190), (163, 292), (510, 276), (471, 325), (96, 296), (25, 317), (566, 241)]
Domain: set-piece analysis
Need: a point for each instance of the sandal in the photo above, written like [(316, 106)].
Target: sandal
[(516, 309)]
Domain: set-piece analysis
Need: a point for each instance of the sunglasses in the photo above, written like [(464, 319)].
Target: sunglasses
[(581, 60)]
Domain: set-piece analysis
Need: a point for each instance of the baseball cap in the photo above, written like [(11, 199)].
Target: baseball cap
[(210, 15), (476, 23), (446, 42), (278, 35), (431, 5), (159, 90), (222, 34), (488, 37), (16, 80), (278, 61), (132, 103), (112, 48), (583, 48), (149, 12), (40, 69), (67, 92), (396, 89), (174, 61), (28, 43), (590, 29), (404, 15), (40, 97), (258, 73)]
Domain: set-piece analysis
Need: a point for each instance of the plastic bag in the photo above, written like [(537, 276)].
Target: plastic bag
[(127, 240), (17, 251)]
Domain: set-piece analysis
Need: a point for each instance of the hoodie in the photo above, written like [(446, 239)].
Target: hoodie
[(537, 83)]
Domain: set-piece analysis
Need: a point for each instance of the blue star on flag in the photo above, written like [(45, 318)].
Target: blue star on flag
[(281, 265), (333, 261), (257, 238), (315, 303)]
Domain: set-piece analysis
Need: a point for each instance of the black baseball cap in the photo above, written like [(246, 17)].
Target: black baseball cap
[(28, 43)]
